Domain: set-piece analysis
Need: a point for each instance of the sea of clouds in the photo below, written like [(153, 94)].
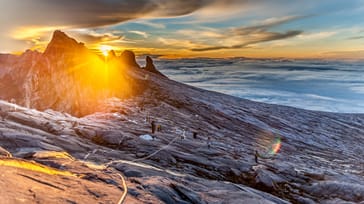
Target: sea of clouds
[(335, 86)]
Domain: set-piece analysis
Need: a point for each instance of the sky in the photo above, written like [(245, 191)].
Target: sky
[(192, 28)]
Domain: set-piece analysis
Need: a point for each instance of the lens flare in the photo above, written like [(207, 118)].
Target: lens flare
[(105, 49), (276, 146), (268, 144)]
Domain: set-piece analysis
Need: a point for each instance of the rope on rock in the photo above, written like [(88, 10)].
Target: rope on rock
[(156, 152), (125, 187), (146, 157)]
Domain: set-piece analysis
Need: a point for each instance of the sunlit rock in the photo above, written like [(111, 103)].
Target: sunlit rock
[(149, 66), (127, 57), (98, 143)]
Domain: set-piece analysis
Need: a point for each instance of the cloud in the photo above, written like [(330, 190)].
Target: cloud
[(358, 89), (201, 33), (351, 54), (356, 38), (90, 36), (150, 24), (317, 36), (242, 37), (15, 16), (265, 25), (28, 23), (275, 81), (94, 13), (141, 33), (178, 43), (270, 37)]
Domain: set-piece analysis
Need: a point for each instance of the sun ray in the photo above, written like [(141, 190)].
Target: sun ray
[(105, 49)]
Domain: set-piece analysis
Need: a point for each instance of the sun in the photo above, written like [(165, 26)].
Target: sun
[(105, 49)]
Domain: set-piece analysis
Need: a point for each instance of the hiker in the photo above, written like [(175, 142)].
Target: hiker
[(194, 135), (142, 106), (153, 127), (147, 119), (208, 142), (183, 136), (2, 115), (256, 155), (159, 128)]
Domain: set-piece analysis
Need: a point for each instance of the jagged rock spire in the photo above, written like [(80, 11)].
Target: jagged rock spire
[(149, 66), (111, 54), (128, 58), (62, 43)]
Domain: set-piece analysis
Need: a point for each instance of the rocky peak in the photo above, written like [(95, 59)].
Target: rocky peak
[(111, 54), (128, 58), (62, 78), (149, 62), (149, 66), (62, 43)]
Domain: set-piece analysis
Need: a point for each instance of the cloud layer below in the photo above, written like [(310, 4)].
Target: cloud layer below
[(315, 85)]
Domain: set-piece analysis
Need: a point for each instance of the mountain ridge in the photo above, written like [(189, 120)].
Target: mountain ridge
[(67, 77)]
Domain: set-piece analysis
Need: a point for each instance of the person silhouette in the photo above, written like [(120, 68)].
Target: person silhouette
[(153, 126), (256, 155), (194, 135)]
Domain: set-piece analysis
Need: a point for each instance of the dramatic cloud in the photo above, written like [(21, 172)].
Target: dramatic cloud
[(44, 15), (270, 36), (93, 37), (245, 36), (94, 13), (334, 86), (264, 25)]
